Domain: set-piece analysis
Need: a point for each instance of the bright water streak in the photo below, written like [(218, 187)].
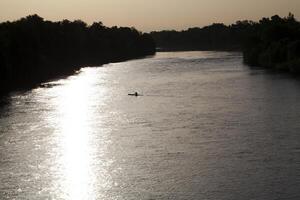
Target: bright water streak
[(206, 127)]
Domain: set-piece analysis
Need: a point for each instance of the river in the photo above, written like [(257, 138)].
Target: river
[(206, 127)]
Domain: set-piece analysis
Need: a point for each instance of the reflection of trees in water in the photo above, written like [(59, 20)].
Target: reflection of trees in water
[(5, 102)]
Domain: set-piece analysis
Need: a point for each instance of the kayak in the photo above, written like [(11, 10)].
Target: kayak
[(134, 94)]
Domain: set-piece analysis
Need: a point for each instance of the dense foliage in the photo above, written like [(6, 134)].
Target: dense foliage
[(33, 50), (274, 43)]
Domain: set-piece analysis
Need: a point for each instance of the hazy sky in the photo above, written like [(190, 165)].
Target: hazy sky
[(147, 15)]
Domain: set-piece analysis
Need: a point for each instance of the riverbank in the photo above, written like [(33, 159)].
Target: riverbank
[(38, 82), (33, 50), (272, 43)]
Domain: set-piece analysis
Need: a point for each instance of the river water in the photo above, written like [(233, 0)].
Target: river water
[(207, 127)]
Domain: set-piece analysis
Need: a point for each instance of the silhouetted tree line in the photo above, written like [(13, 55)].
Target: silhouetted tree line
[(213, 37), (272, 42), (33, 50)]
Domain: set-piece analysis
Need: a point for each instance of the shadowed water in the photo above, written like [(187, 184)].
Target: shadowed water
[(206, 127)]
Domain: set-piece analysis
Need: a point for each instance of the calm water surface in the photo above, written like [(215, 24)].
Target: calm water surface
[(207, 127)]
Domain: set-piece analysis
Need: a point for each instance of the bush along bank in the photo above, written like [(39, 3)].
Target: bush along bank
[(274, 43)]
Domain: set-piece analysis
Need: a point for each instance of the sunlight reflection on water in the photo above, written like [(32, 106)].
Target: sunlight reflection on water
[(75, 114), (207, 127)]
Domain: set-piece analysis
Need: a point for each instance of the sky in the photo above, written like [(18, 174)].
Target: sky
[(150, 15)]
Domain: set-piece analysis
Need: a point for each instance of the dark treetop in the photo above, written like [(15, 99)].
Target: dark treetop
[(33, 50)]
